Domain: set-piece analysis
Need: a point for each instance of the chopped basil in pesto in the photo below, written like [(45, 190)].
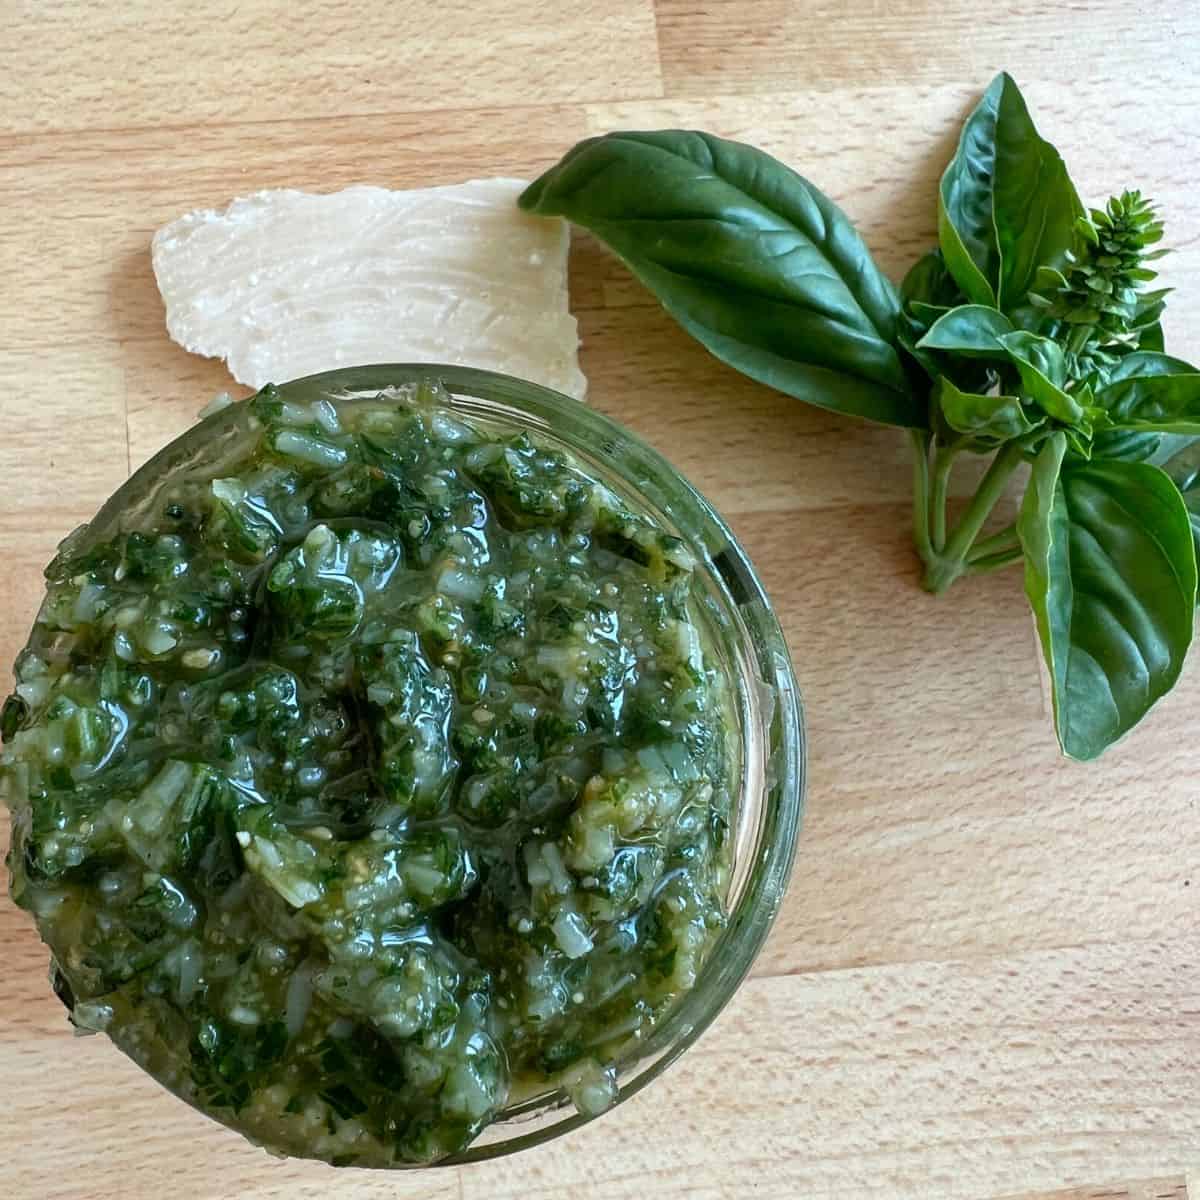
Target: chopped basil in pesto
[(370, 776)]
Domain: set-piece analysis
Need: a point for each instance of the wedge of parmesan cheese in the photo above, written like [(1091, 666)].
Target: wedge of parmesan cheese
[(287, 283)]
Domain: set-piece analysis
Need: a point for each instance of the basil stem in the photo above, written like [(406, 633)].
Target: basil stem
[(946, 563), (944, 464), (1000, 542), (920, 443)]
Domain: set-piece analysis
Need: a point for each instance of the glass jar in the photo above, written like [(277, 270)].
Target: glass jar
[(742, 631)]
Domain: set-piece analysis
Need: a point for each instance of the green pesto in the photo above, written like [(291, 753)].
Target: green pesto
[(376, 781)]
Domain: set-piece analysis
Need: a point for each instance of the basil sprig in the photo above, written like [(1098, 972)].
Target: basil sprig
[(1027, 336)]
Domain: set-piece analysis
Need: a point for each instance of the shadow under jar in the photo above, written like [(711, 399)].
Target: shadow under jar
[(405, 766)]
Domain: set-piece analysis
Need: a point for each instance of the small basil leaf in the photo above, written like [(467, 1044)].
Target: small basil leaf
[(1150, 308), (1006, 205), (972, 330), (1026, 316), (750, 258), (927, 314), (1079, 444), (1048, 280), (1150, 363), (1166, 402), (1110, 571), (1043, 370), (1151, 338), (928, 282), (989, 418), (927, 291), (1042, 354)]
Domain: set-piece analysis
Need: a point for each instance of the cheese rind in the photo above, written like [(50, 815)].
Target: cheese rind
[(287, 283)]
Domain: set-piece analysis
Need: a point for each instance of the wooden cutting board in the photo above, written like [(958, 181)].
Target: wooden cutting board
[(986, 978)]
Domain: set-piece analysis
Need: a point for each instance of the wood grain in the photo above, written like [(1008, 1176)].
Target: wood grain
[(768, 46), (1150, 1189), (71, 65), (912, 1079), (975, 1055), (984, 980)]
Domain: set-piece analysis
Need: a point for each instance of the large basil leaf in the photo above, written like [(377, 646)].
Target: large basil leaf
[(749, 258), (971, 329), (1006, 203), (1135, 445), (984, 417), (1110, 570), (1035, 520), (1151, 391), (1043, 370), (1184, 471), (1148, 362), (966, 229), (1125, 445)]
